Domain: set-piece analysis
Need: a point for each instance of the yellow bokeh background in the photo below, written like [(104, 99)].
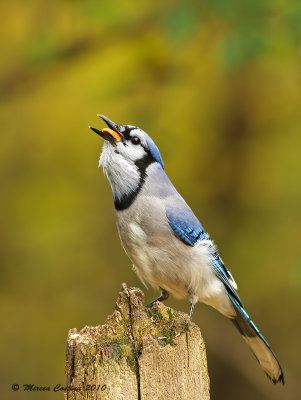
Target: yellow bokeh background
[(216, 84)]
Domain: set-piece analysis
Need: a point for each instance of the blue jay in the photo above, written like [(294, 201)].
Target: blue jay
[(167, 244)]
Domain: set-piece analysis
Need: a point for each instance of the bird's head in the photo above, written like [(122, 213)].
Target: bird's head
[(126, 155)]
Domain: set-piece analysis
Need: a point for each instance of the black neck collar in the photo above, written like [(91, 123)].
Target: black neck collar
[(127, 200)]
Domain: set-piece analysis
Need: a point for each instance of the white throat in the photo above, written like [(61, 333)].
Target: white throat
[(123, 175)]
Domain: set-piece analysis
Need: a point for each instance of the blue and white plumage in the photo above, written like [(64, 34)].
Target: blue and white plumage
[(167, 244)]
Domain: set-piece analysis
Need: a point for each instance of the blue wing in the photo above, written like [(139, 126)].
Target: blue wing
[(189, 230), (185, 225)]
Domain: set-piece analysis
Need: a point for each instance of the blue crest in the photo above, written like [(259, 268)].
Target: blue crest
[(154, 150)]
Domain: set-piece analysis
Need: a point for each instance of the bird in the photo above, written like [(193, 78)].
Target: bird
[(165, 241)]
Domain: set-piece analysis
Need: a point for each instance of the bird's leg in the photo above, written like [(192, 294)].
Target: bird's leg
[(191, 311), (193, 300), (164, 296)]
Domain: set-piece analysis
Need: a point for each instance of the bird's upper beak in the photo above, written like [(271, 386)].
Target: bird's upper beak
[(112, 134)]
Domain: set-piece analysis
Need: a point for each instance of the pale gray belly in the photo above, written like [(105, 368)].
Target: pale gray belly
[(162, 260)]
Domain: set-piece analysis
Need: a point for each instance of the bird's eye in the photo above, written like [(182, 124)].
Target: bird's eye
[(135, 140)]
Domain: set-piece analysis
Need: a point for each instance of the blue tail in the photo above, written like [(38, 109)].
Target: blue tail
[(259, 346)]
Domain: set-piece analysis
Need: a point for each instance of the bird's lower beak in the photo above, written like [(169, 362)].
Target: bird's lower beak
[(111, 134), (108, 134)]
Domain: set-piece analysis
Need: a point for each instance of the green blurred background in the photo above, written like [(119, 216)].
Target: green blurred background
[(217, 86)]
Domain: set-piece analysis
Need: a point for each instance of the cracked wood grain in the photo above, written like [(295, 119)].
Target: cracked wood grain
[(139, 354)]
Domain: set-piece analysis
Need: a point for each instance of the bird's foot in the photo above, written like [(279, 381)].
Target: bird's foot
[(164, 296)]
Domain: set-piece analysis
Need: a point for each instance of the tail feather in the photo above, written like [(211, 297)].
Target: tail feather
[(259, 346)]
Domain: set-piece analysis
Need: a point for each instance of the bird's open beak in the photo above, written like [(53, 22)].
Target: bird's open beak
[(112, 134)]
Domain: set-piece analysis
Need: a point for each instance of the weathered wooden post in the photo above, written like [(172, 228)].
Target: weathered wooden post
[(138, 354)]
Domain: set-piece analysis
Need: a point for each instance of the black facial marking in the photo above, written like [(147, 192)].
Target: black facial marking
[(128, 199), (127, 131)]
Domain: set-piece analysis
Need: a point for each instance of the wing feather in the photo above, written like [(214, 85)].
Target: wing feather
[(189, 230)]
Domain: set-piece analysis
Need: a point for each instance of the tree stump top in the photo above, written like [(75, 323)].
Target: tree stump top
[(139, 353)]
